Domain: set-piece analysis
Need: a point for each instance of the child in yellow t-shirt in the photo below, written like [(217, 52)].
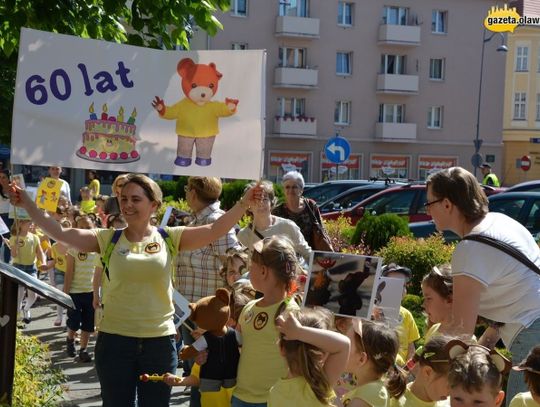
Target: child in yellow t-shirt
[(316, 356), (437, 289), (58, 264), (430, 386), (26, 251), (373, 354), (88, 205), (80, 270), (531, 369)]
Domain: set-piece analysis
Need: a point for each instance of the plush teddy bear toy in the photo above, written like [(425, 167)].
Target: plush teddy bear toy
[(196, 115), (211, 314)]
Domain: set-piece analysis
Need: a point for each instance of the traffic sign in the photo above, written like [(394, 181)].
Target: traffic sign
[(337, 150), (477, 160), (525, 163)]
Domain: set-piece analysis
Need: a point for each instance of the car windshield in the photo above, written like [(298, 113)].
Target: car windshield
[(509, 207), (349, 200), (323, 193), (398, 202)]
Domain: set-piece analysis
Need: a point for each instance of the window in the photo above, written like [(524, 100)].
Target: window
[(436, 68), (292, 107), (522, 59), (342, 114), (395, 15), (345, 13), (292, 57), (393, 64), (239, 7), (294, 8), (236, 46), (343, 63), (434, 120), (391, 113), (538, 107), (438, 21), (520, 105)]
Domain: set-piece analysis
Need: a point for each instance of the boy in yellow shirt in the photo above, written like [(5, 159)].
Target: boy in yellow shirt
[(531, 369)]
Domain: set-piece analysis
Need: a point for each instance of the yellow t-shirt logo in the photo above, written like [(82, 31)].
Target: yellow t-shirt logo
[(82, 256), (152, 248), (260, 321)]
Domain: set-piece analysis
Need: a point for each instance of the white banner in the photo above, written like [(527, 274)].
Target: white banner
[(92, 104)]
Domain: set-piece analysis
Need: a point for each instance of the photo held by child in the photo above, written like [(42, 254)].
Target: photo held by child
[(476, 375), (531, 372), (78, 283), (315, 357), (372, 361), (25, 251), (273, 269)]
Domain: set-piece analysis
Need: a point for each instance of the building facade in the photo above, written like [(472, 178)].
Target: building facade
[(399, 80), (521, 124)]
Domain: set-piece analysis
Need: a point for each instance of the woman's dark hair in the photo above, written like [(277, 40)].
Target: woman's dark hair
[(461, 188), (2, 192)]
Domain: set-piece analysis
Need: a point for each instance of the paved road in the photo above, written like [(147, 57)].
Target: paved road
[(82, 386)]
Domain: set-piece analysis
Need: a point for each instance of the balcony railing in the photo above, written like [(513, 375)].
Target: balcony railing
[(407, 35), (287, 77), (397, 84), (289, 26), (299, 126), (395, 131)]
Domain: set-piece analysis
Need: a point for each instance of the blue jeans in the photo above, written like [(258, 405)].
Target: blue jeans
[(120, 360), (524, 342), (195, 395), (239, 403)]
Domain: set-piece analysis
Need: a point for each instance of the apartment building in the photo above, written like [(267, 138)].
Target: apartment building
[(398, 79), (521, 124)]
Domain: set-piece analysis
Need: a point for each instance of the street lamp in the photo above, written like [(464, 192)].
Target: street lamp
[(477, 159)]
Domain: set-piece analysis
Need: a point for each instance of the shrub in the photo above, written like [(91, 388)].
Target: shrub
[(420, 255), (36, 383), (340, 232), (232, 192), (414, 304), (167, 188), (376, 231)]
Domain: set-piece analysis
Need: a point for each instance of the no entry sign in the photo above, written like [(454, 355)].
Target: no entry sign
[(525, 163)]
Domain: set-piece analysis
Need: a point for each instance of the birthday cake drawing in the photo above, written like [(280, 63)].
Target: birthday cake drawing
[(109, 139)]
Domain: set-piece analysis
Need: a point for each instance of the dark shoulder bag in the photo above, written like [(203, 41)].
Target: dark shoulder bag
[(321, 240), (505, 247)]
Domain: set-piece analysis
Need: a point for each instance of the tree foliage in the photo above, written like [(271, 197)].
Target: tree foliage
[(151, 23)]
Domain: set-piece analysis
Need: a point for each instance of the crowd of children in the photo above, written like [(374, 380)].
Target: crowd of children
[(292, 355)]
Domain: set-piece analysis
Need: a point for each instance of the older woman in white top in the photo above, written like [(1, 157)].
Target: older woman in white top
[(267, 225)]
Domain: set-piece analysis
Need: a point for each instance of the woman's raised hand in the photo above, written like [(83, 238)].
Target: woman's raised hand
[(18, 196), (253, 196)]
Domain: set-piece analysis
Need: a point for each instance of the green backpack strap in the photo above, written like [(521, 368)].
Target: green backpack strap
[(106, 258), (170, 248)]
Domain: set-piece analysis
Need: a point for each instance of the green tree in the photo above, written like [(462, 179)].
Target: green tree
[(154, 23)]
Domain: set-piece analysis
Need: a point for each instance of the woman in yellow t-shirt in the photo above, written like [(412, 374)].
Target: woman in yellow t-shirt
[(26, 251), (137, 330)]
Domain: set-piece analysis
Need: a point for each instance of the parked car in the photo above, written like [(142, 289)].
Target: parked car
[(310, 185), (521, 206), (329, 189), (407, 200), (533, 186), (352, 196)]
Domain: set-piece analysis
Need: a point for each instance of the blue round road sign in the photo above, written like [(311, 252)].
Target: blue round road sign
[(337, 150)]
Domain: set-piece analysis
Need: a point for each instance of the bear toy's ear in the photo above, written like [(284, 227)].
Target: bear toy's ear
[(185, 66), (193, 308), (223, 295), (213, 66)]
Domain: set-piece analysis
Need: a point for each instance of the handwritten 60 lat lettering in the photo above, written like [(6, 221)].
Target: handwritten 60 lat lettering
[(60, 83)]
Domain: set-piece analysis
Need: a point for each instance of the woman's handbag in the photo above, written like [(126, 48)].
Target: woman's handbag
[(321, 240)]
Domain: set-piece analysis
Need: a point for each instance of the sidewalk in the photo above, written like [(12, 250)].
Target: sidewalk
[(82, 387)]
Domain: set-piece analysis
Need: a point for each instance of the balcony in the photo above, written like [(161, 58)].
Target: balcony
[(400, 132), (406, 35), (397, 84), (295, 127), (304, 27), (304, 78)]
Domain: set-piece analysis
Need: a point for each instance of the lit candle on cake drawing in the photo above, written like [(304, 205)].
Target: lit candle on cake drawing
[(120, 117), (104, 115), (132, 117), (93, 116)]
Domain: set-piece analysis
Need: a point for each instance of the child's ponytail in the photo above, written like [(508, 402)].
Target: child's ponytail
[(396, 382)]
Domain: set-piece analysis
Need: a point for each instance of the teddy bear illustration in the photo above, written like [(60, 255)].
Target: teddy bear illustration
[(196, 115)]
